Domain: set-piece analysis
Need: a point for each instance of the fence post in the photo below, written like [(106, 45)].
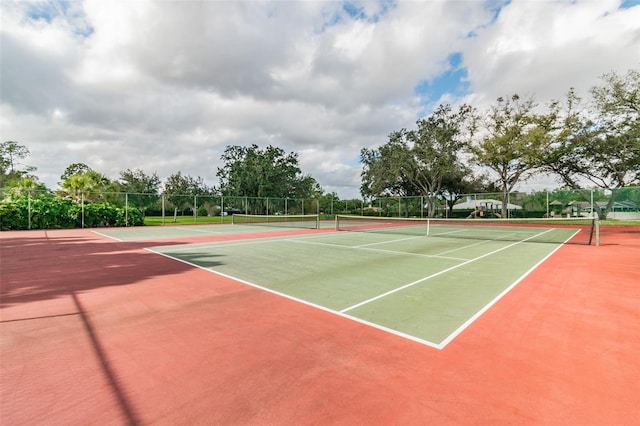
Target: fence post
[(547, 192), (82, 207), (126, 209), (29, 208)]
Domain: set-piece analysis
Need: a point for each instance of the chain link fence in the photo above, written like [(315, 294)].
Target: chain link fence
[(617, 204), (29, 209)]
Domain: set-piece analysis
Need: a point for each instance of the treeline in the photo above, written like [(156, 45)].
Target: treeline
[(450, 153), (596, 142), (88, 198)]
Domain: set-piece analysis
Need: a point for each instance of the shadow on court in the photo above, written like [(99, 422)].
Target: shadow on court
[(102, 332), (49, 264)]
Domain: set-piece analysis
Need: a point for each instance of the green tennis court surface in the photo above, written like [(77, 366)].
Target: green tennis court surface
[(428, 289), (186, 231)]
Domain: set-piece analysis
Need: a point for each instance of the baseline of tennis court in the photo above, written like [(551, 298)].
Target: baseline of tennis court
[(426, 289)]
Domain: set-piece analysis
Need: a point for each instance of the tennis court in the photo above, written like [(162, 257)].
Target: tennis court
[(422, 280), (354, 322), (296, 223)]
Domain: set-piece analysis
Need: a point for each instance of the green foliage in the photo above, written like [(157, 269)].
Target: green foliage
[(13, 216), (142, 188), (418, 162), (85, 184), (613, 148), (252, 172), (100, 214), (106, 214), (22, 186), (11, 175), (74, 169), (601, 146), (385, 170), (514, 140), (49, 212), (178, 185)]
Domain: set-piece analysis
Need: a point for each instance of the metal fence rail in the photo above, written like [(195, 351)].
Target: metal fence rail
[(29, 209)]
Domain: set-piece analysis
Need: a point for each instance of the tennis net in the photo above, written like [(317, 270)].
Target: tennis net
[(559, 231), (304, 221)]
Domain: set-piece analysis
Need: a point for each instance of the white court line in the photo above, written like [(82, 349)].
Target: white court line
[(437, 234), (439, 346), (390, 241), (240, 242), (178, 234), (205, 231), (108, 236), (444, 271), (495, 300), (304, 302), (468, 246), (400, 253)]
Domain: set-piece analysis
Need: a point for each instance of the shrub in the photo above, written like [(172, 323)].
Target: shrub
[(12, 216), (48, 212)]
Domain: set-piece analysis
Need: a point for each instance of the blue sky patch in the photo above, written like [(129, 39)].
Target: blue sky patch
[(46, 11), (495, 7), (49, 11), (356, 11), (453, 81), (627, 4)]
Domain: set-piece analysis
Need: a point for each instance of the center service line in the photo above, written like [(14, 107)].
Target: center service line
[(438, 273)]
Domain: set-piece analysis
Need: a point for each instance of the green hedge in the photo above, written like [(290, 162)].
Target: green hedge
[(48, 212)]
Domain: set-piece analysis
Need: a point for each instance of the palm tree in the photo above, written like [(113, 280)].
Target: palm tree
[(77, 185)]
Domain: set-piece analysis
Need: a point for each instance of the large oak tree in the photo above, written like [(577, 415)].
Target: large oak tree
[(270, 172), (420, 161), (512, 139), (605, 150)]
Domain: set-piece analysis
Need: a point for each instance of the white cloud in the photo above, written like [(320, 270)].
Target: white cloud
[(164, 86), (544, 48)]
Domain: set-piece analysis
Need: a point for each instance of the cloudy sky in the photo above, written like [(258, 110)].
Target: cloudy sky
[(165, 86)]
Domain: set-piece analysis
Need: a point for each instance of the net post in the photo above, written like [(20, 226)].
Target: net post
[(597, 225), (428, 226), (337, 224)]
